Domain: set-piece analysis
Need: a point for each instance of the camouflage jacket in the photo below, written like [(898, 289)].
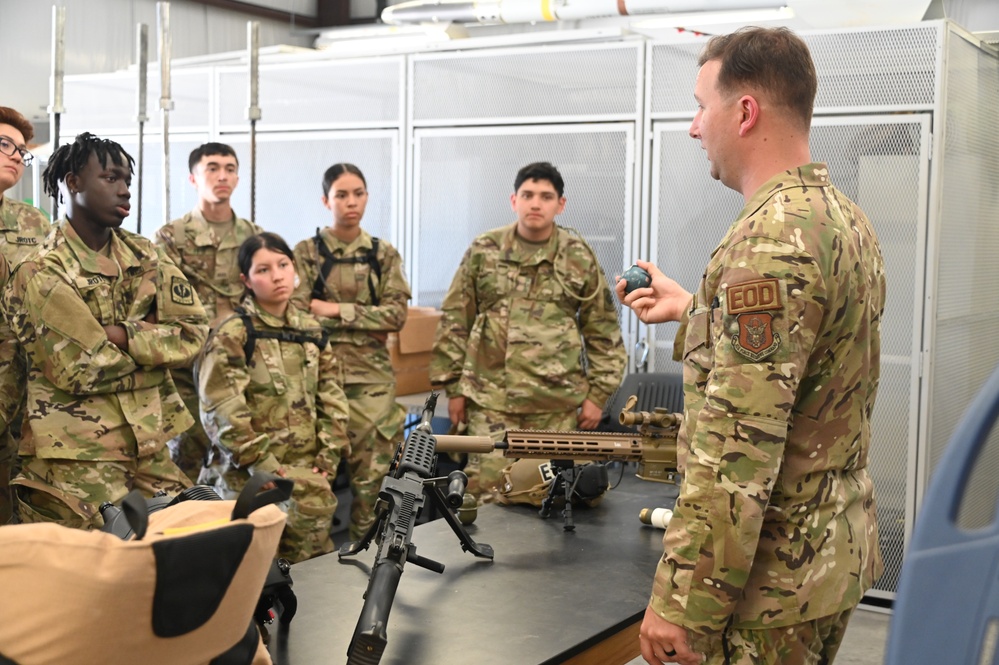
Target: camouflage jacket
[(363, 356), (208, 261), (88, 399), (284, 405), (509, 338), (775, 523), (23, 228), (12, 374)]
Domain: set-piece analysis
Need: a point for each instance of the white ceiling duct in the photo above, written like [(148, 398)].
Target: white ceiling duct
[(527, 11)]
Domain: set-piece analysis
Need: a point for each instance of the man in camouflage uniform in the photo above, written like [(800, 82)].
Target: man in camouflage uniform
[(774, 540), (204, 243), (101, 316), (22, 229), (360, 299), (528, 301)]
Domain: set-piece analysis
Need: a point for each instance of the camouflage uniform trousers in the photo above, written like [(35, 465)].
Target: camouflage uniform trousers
[(810, 643), (485, 470), (190, 449), (374, 431), (70, 492), (8, 454), (310, 511)]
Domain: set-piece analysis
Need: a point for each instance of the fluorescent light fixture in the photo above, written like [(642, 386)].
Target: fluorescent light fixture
[(745, 16)]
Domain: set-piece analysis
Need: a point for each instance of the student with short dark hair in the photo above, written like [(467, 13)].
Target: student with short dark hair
[(204, 243), (528, 302)]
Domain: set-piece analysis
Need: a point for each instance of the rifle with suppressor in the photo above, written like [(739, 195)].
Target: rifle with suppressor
[(402, 495), (653, 446)]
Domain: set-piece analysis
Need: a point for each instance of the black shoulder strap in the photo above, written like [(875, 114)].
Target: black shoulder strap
[(323, 252), (376, 268), (370, 257), (252, 335)]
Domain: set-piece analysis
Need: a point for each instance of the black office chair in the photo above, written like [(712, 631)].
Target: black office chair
[(947, 607), (654, 389)]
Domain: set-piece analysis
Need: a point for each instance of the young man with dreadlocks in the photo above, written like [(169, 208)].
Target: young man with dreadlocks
[(102, 317)]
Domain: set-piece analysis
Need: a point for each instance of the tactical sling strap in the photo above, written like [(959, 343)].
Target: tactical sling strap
[(370, 257), (252, 335)]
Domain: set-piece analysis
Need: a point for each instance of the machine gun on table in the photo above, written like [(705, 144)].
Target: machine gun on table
[(403, 493), (653, 446)]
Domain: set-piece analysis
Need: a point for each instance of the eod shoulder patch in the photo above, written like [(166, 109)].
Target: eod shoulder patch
[(753, 305)]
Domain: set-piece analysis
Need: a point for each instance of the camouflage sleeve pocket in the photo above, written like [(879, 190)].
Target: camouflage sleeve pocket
[(698, 333), (65, 314)]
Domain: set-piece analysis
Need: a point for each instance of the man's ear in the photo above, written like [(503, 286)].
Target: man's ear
[(190, 179), (513, 201), (72, 183), (749, 109)]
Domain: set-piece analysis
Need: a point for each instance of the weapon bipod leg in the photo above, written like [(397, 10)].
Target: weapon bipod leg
[(564, 482), (431, 488)]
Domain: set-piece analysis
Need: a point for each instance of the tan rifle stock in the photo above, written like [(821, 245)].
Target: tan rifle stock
[(653, 446)]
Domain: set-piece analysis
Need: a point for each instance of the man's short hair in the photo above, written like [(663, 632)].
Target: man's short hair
[(9, 116), (540, 171), (207, 149), (774, 61)]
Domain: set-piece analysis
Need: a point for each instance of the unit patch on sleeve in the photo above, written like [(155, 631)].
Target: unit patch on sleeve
[(181, 291), (753, 305)]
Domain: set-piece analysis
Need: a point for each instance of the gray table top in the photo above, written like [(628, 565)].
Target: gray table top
[(548, 595)]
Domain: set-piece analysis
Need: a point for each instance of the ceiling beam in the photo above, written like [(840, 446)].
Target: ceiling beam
[(264, 12)]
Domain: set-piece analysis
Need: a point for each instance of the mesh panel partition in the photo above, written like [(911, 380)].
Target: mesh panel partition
[(330, 94), (966, 307), (463, 181), (858, 70), (882, 164), (590, 82), (290, 171)]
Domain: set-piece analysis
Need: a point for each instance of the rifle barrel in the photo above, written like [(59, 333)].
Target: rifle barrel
[(455, 443)]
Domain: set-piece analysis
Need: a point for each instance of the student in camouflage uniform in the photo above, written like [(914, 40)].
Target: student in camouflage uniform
[(774, 540), (102, 317), (12, 377), (204, 243), (274, 403), (359, 299), (22, 229), (527, 302)]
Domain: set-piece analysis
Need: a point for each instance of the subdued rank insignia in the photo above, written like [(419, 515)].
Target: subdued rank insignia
[(752, 305), (181, 292)]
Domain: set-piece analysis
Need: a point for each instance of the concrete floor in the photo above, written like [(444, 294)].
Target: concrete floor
[(864, 644)]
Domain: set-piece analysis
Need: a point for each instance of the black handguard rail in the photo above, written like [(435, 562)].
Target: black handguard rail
[(401, 497)]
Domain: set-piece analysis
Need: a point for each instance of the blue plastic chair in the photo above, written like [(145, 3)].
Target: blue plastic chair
[(947, 607)]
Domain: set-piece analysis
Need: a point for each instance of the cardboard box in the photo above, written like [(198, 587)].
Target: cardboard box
[(409, 350)]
